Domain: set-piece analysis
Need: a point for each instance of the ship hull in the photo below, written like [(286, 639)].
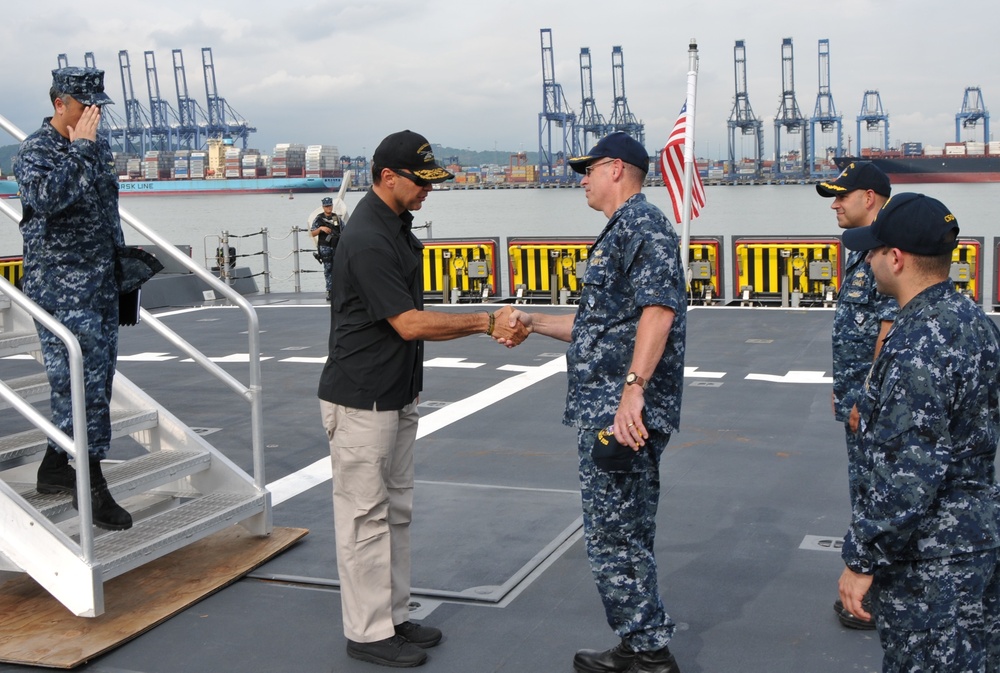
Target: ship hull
[(228, 186), (937, 169)]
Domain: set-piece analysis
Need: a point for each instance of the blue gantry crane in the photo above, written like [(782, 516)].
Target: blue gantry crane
[(973, 111), (555, 119), (162, 118), (190, 116), (825, 112), (874, 118), (789, 116), (592, 124), (743, 118), (622, 118), (223, 120), (135, 135)]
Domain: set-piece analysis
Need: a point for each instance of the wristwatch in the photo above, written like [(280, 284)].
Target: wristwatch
[(634, 379)]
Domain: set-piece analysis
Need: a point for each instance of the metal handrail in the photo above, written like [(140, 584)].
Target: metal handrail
[(76, 446), (251, 392)]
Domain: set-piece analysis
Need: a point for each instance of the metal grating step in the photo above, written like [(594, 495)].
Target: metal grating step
[(128, 478), (152, 538), (14, 343), (20, 448), (33, 388)]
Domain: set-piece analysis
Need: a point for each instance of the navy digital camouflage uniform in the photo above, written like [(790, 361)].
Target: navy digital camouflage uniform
[(72, 233), (928, 521), (856, 322), (327, 243), (634, 263)]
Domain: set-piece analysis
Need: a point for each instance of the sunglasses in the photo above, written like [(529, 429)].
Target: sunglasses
[(419, 182)]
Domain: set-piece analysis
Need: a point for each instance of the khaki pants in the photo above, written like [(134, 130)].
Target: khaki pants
[(372, 457)]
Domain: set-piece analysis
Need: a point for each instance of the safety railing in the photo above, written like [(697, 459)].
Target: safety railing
[(251, 392)]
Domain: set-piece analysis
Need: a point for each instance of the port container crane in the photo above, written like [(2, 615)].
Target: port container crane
[(556, 118), (973, 110), (743, 118), (622, 118), (593, 126), (788, 115), (162, 119), (223, 120), (190, 116), (135, 136), (825, 112), (874, 117)]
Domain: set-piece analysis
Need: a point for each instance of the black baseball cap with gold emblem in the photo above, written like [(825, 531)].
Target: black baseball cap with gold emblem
[(410, 151), (857, 175)]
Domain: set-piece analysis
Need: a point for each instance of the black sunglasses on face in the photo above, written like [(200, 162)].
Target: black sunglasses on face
[(419, 182)]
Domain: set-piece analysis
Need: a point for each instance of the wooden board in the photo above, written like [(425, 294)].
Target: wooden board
[(37, 630)]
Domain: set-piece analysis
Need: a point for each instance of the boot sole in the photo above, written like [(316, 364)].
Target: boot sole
[(51, 489), (362, 656)]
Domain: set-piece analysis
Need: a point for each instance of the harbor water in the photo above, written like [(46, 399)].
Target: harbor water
[(760, 210)]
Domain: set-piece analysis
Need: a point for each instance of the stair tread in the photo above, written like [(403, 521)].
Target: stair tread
[(146, 471), (120, 551), (123, 421), (33, 388)]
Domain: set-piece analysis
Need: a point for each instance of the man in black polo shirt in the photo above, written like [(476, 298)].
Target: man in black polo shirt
[(368, 397)]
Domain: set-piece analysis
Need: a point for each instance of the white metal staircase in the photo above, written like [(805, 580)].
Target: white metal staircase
[(179, 490)]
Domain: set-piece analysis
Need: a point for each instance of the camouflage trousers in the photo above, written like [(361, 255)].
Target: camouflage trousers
[(619, 525), (97, 332), (326, 257), (941, 615)]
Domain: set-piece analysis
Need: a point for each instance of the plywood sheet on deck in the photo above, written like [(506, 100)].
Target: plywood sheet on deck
[(37, 630)]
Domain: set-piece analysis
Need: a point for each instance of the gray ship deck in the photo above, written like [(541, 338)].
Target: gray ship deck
[(754, 495)]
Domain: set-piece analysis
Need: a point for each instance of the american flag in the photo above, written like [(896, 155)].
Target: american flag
[(672, 169)]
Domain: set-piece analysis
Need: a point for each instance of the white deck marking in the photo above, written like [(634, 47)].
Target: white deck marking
[(692, 372), (793, 377), (303, 360), (235, 357), (452, 363), (288, 487), (147, 357)]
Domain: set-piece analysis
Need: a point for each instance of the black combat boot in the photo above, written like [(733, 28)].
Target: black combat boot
[(107, 513), (55, 474)]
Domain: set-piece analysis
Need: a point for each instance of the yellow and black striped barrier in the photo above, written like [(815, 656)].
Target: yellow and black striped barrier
[(12, 269), (456, 268), (966, 263), (767, 267), (547, 266)]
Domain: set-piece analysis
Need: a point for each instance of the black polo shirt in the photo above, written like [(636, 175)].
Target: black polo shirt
[(377, 273)]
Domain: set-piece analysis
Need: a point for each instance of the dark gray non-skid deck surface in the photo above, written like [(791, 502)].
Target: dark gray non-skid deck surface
[(755, 478)]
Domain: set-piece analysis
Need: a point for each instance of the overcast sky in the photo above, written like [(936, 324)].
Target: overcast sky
[(468, 74)]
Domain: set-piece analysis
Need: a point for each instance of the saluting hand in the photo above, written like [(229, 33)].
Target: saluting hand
[(86, 127)]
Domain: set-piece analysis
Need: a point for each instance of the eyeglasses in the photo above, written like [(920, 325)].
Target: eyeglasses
[(590, 169), (419, 182)]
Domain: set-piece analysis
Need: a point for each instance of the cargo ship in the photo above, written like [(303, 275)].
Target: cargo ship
[(264, 185), (955, 162)]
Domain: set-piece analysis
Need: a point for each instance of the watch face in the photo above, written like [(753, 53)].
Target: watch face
[(630, 378)]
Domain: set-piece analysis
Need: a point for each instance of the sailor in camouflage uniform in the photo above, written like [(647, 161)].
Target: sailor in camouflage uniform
[(326, 230), (860, 322), (72, 235), (925, 536), (626, 369)]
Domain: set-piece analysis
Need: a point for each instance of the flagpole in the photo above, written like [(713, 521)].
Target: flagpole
[(689, 167)]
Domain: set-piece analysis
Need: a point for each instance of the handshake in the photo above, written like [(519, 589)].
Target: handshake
[(510, 326)]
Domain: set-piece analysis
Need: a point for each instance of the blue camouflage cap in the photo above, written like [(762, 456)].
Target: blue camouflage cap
[(84, 84)]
